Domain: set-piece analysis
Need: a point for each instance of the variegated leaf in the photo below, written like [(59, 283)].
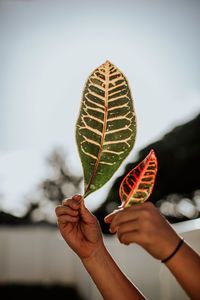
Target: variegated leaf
[(106, 125), (138, 184)]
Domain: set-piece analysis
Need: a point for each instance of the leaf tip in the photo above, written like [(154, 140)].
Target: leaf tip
[(107, 62), (152, 153)]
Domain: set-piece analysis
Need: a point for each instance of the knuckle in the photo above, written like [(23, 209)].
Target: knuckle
[(146, 213), (57, 209), (121, 229), (65, 201), (146, 223), (150, 205), (146, 229), (123, 239)]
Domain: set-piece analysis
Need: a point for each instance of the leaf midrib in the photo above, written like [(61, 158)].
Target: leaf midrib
[(104, 127), (139, 180)]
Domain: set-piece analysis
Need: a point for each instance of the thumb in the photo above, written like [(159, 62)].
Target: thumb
[(86, 215)]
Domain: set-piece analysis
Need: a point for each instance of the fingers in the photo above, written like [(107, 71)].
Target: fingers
[(68, 212), (109, 218), (66, 219), (128, 227), (128, 233), (144, 225), (124, 216), (72, 209), (86, 215), (73, 202), (129, 237)]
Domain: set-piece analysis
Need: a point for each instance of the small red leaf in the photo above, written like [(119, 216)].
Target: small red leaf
[(138, 184)]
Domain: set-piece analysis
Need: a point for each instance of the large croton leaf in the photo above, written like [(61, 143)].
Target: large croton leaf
[(106, 125), (138, 184)]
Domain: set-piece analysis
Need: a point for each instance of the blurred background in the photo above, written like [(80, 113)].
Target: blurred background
[(48, 49)]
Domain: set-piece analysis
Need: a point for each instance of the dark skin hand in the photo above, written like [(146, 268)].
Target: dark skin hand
[(141, 224), (79, 228), (144, 225)]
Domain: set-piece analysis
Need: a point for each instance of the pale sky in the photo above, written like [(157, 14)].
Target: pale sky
[(48, 49)]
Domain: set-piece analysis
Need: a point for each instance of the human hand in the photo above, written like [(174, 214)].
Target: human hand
[(79, 228), (143, 224)]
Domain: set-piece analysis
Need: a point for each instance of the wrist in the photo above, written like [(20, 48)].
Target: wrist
[(170, 246), (96, 255), (174, 252)]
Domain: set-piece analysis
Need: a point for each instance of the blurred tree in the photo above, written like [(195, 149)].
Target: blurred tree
[(64, 183), (178, 154), (53, 190), (49, 193)]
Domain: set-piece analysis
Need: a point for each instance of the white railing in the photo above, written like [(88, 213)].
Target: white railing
[(40, 255)]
